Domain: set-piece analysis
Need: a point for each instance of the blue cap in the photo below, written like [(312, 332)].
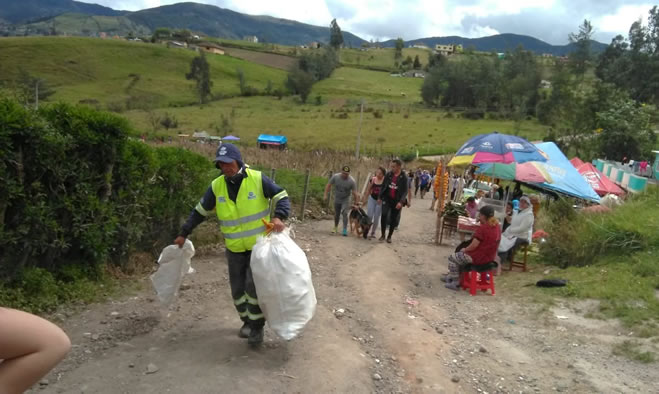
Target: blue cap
[(227, 153)]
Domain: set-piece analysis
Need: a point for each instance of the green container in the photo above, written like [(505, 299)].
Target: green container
[(607, 170), (599, 164), (621, 173), (637, 183)]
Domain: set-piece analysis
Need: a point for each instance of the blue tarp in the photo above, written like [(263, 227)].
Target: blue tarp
[(272, 139), (566, 179)]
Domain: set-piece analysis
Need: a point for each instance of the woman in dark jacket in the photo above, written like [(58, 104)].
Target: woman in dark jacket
[(393, 195)]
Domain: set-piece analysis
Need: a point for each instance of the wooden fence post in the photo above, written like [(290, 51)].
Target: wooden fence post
[(306, 192), (440, 202)]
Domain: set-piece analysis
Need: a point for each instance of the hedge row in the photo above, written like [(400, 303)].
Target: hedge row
[(75, 189)]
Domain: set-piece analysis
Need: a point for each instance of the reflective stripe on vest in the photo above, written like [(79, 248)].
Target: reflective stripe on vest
[(241, 221)]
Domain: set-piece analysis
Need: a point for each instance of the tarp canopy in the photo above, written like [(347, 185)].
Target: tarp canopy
[(601, 184), (272, 139), (576, 162), (565, 178), (230, 138)]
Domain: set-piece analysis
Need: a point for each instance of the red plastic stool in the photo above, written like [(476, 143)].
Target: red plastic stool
[(478, 277)]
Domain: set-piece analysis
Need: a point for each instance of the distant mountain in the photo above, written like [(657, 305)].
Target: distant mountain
[(220, 22), (44, 17), (499, 43), (72, 24), (57, 16), (21, 11)]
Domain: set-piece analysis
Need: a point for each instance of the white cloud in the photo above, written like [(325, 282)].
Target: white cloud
[(550, 20), (621, 20)]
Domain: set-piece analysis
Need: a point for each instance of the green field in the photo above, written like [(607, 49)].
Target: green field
[(349, 82), (313, 127), (88, 68), (83, 69), (382, 58)]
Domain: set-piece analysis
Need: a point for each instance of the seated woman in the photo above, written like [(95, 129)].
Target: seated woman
[(520, 230), (472, 208), (481, 250)]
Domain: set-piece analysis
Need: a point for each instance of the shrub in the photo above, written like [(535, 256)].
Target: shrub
[(377, 114), (77, 191), (578, 239), (474, 113)]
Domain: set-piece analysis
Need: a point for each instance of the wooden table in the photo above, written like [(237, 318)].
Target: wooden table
[(466, 226)]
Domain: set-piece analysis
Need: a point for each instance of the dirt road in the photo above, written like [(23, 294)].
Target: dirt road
[(385, 323)]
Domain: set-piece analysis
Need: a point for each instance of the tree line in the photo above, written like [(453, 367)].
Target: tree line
[(594, 106)]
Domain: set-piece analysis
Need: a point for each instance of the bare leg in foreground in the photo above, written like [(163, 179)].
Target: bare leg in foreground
[(29, 347)]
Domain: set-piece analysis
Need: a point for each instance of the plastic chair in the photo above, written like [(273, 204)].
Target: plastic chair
[(478, 277)]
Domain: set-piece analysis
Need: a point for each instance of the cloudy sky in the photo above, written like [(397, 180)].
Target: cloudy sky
[(549, 20)]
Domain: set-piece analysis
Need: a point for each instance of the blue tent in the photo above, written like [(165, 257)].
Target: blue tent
[(272, 139), (566, 179)]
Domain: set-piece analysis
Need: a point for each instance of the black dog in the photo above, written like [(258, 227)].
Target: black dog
[(360, 223)]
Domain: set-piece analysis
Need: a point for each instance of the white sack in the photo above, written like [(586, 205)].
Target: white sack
[(174, 262), (283, 284)]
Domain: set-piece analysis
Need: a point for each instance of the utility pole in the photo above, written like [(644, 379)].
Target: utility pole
[(359, 133)]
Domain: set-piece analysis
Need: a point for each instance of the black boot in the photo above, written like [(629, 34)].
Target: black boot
[(255, 336), (245, 330)]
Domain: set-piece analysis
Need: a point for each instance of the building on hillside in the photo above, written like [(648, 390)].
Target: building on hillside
[(420, 46), (210, 48), (547, 55), (253, 39), (176, 44), (314, 45), (501, 55), (415, 74), (449, 49), (544, 84), (103, 34)]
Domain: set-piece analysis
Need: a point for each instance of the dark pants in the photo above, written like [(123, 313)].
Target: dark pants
[(505, 256), (341, 210), (243, 291), (390, 217)]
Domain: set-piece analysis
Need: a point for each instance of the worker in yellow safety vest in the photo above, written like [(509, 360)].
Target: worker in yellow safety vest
[(241, 199)]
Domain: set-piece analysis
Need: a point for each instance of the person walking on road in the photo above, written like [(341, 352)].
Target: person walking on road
[(392, 197), (241, 199), (374, 210), (344, 186)]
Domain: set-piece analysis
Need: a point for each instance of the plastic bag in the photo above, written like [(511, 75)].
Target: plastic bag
[(174, 263), (283, 284)]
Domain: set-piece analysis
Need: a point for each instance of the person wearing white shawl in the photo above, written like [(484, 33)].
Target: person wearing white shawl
[(519, 232)]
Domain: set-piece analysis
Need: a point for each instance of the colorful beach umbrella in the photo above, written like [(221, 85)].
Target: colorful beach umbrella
[(496, 148), (530, 171)]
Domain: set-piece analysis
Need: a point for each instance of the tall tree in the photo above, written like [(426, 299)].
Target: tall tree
[(582, 54), (626, 131), (201, 74), (417, 62), (336, 36), (399, 48)]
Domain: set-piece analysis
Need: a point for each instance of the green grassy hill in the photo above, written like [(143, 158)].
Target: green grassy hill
[(84, 69), (113, 71)]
